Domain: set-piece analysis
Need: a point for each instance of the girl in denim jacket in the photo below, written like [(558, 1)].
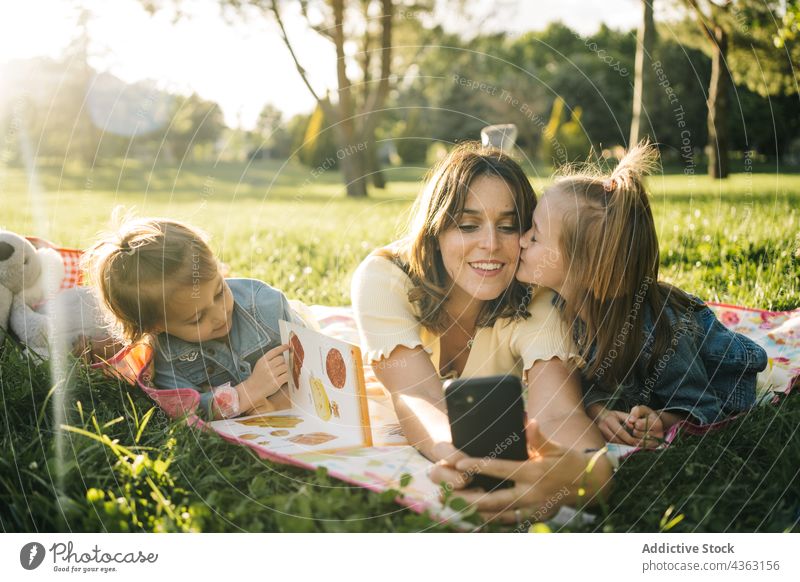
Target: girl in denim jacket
[(653, 355), (162, 283)]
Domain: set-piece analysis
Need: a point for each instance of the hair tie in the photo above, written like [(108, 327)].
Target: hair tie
[(126, 248), (610, 185)]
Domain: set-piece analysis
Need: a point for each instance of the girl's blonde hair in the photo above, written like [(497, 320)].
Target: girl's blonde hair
[(135, 266), (610, 249), (438, 207)]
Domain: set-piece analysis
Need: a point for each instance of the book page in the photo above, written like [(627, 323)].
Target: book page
[(329, 408)]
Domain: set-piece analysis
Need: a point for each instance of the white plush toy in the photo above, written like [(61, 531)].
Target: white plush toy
[(31, 303)]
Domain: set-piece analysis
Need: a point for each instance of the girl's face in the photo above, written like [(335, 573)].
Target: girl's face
[(199, 312), (481, 251), (541, 261)]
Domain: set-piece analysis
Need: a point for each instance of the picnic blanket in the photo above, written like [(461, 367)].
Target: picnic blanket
[(401, 467)]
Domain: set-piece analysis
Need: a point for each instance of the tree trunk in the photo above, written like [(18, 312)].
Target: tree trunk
[(349, 153), (644, 81), (718, 96), (376, 99), (373, 163)]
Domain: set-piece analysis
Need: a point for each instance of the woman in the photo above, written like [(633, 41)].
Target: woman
[(443, 302)]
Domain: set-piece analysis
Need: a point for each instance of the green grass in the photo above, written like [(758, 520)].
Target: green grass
[(734, 241)]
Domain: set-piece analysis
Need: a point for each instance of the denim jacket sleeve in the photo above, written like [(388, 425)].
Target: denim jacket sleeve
[(679, 380), (677, 383), (732, 361), (711, 368), (272, 306)]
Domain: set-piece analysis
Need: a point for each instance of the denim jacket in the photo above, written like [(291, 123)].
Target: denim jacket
[(254, 331), (708, 371)]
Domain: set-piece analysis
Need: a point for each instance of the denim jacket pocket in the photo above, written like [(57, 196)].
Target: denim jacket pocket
[(205, 372)]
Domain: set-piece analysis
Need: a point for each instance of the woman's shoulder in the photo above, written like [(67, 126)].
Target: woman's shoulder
[(381, 264), (542, 309), (380, 286), (542, 300)]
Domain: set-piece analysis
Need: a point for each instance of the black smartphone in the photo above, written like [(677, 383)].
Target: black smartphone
[(487, 420)]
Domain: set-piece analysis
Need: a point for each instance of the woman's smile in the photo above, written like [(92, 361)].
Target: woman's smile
[(487, 268)]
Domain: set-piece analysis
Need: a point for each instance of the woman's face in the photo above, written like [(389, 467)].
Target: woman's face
[(541, 261), (481, 250)]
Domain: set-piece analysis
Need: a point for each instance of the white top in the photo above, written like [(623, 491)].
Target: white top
[(386, 319)]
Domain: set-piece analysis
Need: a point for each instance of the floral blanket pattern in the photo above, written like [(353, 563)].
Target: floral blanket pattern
[(401, 467), (778, 332)]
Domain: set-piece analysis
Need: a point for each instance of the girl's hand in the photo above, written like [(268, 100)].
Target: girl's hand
[(269, 374), (646, 425), (613, 427), (550, 478)]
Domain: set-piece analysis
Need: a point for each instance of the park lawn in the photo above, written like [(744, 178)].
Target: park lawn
[(734, 241)]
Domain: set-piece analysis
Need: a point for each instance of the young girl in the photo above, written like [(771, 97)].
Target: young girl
[(653, 354), (161, 282)]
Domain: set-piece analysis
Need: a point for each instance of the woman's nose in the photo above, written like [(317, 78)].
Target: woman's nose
[(489, 240)]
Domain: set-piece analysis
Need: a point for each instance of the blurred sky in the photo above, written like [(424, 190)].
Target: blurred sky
[(243, 64)]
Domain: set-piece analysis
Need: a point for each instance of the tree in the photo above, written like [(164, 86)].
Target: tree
[(710, 18), (195, 123), (790, 23), (768, 54), (269, 120), (644, 81), (355, 113), (741, 37)]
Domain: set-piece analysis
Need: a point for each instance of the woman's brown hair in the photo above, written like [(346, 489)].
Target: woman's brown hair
[(438, 207), (135, 266), (610, 249)]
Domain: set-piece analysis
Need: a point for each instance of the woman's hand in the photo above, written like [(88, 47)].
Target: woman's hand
[(552, 476), (444, 472)]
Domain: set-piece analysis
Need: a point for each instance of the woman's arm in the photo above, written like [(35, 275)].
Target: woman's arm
[(410, 377), (561, 468), (387, 324), (554, 400)]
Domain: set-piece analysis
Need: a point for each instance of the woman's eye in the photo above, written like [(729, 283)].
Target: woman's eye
[(467, 227), (510, 228)]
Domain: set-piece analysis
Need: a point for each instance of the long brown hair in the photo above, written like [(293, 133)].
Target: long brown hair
[(610, 247), (438, 207), (134, 266)]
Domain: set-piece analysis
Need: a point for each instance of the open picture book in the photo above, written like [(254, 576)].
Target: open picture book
[(329, 407)]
